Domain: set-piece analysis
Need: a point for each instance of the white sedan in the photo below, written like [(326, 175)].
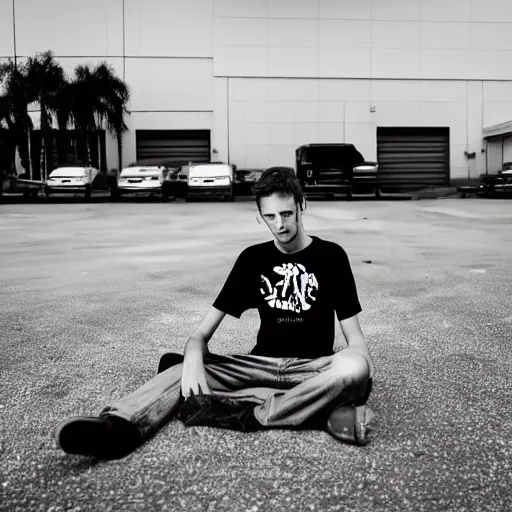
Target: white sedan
[(211, 179), (77, 180), (144, 181)]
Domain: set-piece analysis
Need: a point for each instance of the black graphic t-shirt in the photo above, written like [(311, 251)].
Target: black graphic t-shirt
[(296, 296)]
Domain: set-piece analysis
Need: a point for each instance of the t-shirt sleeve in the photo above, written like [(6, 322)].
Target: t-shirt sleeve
[(346, 300), (235, 296)]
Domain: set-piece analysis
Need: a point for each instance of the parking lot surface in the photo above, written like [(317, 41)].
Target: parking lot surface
[(93, 294)]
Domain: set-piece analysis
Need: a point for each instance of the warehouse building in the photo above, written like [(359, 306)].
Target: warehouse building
[(422, 86)]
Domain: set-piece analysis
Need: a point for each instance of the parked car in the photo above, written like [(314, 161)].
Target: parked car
[(211, 179), (88, 181), (148, 180), (330, 169), (499, 183)]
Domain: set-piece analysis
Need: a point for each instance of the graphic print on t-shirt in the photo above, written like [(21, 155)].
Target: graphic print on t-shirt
[(290, 288)]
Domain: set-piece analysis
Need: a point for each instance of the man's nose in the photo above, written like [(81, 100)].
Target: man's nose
[(279, 222)]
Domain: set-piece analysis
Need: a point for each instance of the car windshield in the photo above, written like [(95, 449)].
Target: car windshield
[(68, 172), (331, 156), (210, 171), (140, 172)]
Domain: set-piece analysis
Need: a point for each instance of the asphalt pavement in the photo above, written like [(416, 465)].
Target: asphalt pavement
[(93, 294)]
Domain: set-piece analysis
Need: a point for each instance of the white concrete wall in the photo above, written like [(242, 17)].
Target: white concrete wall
[(69, 27), (494, 156), (168, 28), (497, 97), (220, 131), (475, 124), (415, 39), (170, 84), (6, 31)]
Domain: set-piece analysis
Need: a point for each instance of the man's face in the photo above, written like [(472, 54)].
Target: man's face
[(281, 214)]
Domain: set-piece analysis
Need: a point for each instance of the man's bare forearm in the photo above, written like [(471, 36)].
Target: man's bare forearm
[(196, 347)]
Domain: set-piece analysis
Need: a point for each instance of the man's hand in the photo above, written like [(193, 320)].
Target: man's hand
[(193, 379)]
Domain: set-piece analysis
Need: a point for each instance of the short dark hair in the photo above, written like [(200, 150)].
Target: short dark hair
[(280, 180)]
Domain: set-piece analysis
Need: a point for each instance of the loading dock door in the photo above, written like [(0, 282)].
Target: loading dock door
[(411, 158), (172, 147)]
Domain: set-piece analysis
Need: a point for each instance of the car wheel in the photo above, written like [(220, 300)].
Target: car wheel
[(230, 197), (166, 192)]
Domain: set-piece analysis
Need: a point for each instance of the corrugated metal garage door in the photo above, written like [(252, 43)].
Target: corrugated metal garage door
[(412, 158), (172, 147)]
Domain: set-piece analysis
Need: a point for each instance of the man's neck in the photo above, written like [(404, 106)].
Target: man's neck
[(301, 241)]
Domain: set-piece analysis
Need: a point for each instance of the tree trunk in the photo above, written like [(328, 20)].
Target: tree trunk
[(43, 143), (88, 146), (98, 134), (119, 137), (29, 155)]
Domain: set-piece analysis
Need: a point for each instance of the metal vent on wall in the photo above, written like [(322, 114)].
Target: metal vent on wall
[(172, 147), (413, 157)]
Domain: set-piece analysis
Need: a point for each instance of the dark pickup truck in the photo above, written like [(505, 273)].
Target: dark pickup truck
[(330, 169)]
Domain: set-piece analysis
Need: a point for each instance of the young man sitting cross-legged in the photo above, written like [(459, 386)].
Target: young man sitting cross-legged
[(292, 378)]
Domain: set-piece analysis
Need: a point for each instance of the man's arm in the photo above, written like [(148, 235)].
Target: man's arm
[(355, 338), (194, 376)]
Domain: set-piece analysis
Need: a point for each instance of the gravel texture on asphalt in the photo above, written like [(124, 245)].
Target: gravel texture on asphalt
[(93, 295)]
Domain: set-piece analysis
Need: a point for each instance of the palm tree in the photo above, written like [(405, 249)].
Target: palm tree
[(14, 115), (45, 79), (93, 99), (78, 102), (96, 98), (113, 98)]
